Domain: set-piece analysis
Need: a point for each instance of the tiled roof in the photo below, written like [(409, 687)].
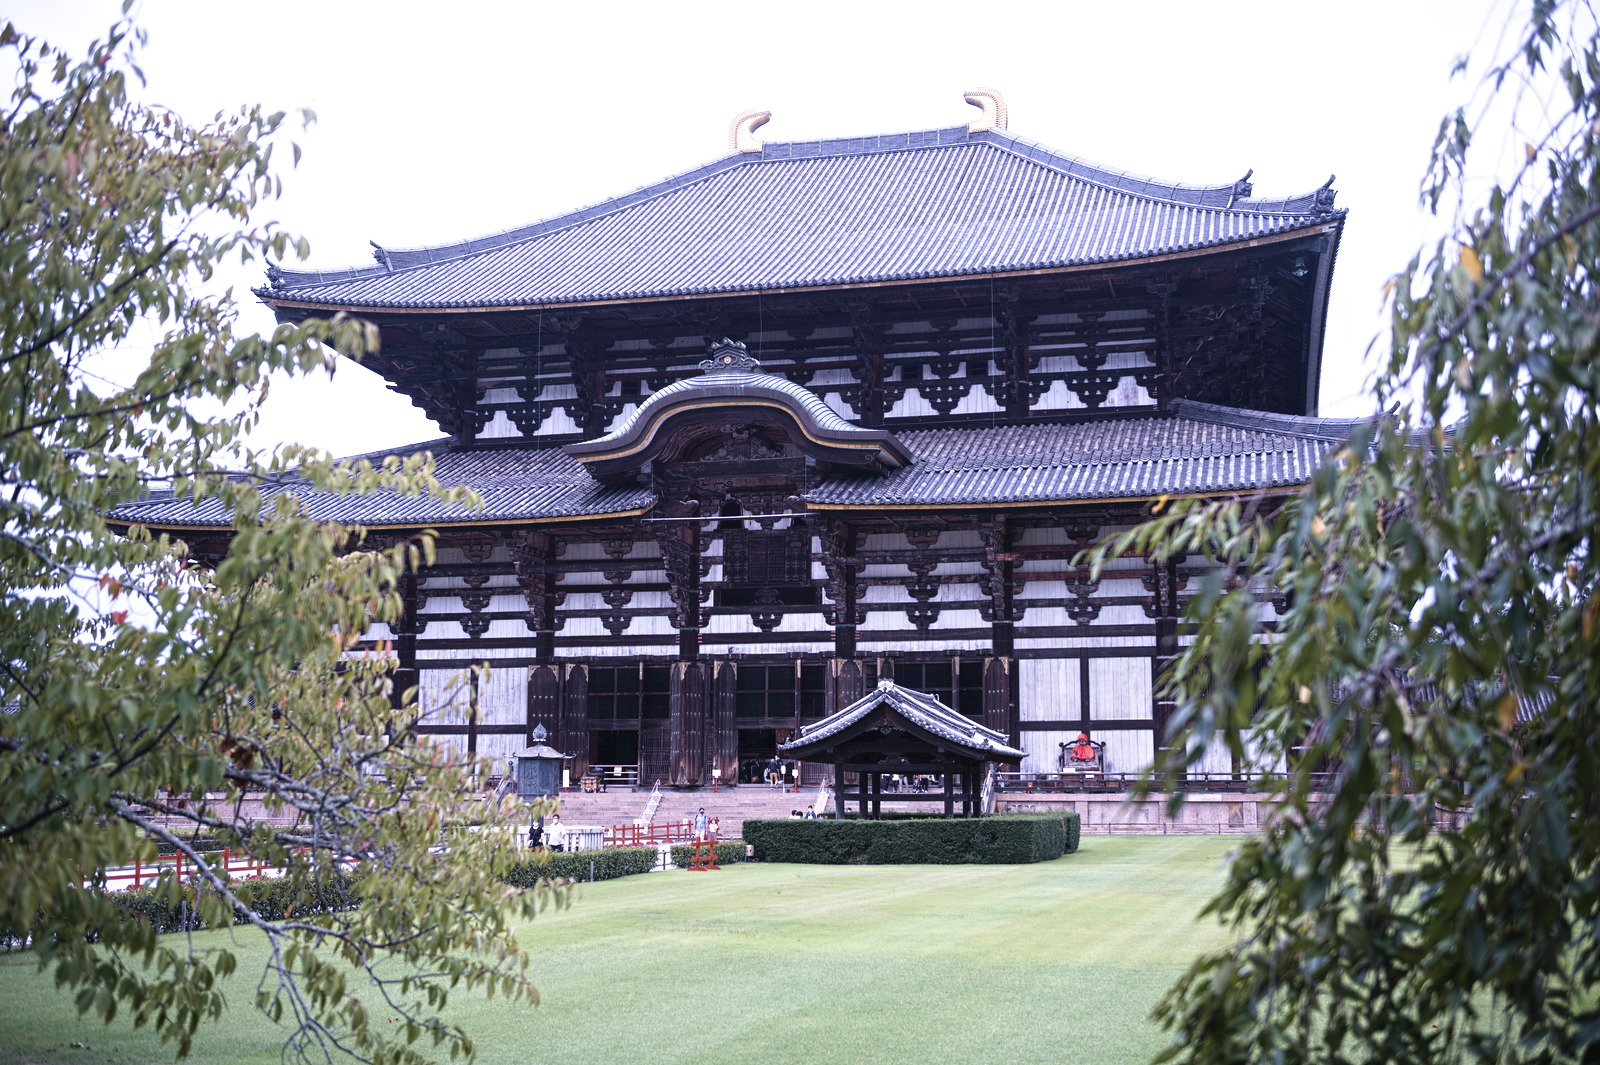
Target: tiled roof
[(918, 709), (1199, 448), (516, 485), (940, 203)]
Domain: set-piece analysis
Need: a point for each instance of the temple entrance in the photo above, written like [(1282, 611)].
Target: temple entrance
[(614, 747), (756, 748), (615, 753)]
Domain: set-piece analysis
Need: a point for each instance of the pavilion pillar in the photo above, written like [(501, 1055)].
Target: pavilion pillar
[(838, 792), (949, 778)]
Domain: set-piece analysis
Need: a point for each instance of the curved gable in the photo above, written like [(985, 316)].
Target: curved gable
[(731, 394)]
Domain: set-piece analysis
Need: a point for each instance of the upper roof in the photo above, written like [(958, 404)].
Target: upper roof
[(1199, 448), (897, 207)]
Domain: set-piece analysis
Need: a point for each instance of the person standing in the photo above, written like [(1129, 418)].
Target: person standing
[(774, 772), (700, 825), (556, 834), (535, 833)]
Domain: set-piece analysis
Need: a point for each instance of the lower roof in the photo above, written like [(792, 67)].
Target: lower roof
[(1196, 449)]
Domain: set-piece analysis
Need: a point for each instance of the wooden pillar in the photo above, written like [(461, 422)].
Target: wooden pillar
[(680, 558), (999, 693), (544, 700), (686, 724), (723, 726), (473, 419), (405, 641), (1164, 607), (534, 556), (839, 559), (1000, 708), (870, 368), (949, 776), (845, 682), (838, 792), (574, 733)]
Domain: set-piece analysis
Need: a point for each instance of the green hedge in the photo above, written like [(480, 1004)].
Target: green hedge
[(170, 907), (1001, 840), (608, 864), (727, 852)]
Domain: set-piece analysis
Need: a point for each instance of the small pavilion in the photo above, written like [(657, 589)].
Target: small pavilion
[(898, 731)]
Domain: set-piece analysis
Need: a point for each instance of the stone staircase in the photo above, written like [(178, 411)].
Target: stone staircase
[(730, 806), (619, 806)]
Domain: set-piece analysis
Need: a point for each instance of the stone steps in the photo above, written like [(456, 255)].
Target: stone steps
[(731, 806)]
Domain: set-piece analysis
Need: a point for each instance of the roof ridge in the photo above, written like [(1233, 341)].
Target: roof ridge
[(1232, 197), (1309, 426)]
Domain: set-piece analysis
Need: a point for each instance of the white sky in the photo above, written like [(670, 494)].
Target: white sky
[(440, 122)]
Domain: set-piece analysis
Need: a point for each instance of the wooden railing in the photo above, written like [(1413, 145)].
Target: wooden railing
[(624, 775), (145, 873), (649, 835)]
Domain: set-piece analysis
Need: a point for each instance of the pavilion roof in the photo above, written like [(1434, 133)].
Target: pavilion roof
[(899, 207), (890, 705), (1199, 448)]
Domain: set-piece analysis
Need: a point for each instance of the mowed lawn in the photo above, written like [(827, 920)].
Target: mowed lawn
[(777, 964)]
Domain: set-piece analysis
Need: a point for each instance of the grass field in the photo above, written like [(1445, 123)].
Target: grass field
[(778, 964)]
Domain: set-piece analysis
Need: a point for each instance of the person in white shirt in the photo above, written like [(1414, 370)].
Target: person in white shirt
[(555, 834)]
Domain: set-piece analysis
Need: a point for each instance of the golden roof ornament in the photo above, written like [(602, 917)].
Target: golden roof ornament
[(995, 115), (742, 134)]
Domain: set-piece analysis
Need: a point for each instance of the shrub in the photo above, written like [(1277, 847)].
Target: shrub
[(277, 900), (1007, 839), (608, 864), (170, 906), (727, 851)]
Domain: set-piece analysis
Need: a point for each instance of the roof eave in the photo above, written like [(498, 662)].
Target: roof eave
[(284, 302)]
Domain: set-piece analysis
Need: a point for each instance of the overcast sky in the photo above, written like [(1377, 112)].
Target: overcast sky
[(438, 122)]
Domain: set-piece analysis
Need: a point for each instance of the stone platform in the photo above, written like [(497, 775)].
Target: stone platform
[(1237, 813)]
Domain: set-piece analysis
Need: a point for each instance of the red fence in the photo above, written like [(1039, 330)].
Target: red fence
[(649, 835), (143, 874)]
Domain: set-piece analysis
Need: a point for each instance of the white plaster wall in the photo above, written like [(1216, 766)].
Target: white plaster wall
[(503, 697)]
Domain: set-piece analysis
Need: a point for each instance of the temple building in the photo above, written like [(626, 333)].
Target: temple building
[(822, 413)]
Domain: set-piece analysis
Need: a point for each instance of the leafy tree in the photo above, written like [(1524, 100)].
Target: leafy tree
[(1439, 647), (147, 694)]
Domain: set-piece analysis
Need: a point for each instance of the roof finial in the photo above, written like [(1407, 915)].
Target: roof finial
[(995, 115), (1326, 194), (730, 356), (742, 134)]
